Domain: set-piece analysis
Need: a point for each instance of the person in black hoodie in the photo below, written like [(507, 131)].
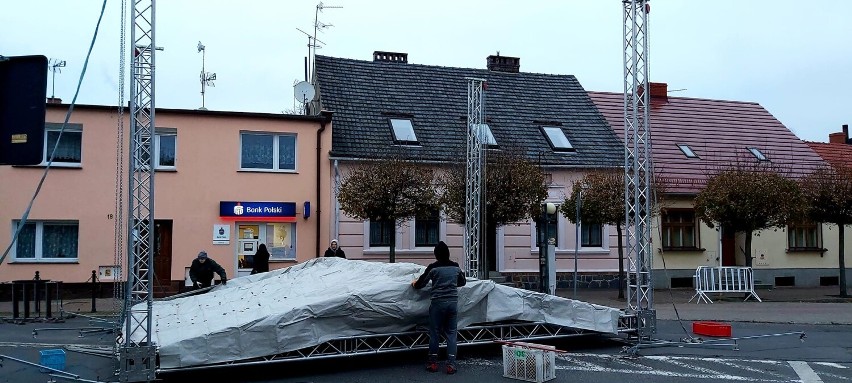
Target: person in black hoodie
[(202, 269), (334, 250), (261, 260), (446, 278)]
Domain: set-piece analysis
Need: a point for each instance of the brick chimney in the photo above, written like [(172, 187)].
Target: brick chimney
[(395, 57), (54, 100), (660, 90), (840, 137), (504, 64)]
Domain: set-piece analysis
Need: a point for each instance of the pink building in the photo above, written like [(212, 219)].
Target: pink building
[(225, 182)]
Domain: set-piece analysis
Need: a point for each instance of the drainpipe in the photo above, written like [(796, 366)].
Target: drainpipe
[(327, 119)]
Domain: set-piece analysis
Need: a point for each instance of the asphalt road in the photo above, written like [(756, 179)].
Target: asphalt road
[(762, 352)]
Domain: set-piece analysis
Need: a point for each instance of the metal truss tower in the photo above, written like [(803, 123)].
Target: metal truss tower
[(137, 357), (637, 167), (474, 208)]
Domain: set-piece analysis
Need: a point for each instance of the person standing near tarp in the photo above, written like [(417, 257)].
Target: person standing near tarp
[(446, 277), (334, 250), (261, 260), (202, 269)]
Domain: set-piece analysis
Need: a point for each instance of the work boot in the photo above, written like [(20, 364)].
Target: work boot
[(451, 369), (432, 366)]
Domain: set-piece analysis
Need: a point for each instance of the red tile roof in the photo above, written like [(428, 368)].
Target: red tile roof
[(718, 131), (835, 154)]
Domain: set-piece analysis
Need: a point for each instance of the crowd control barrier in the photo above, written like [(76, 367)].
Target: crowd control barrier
[(723, 279)]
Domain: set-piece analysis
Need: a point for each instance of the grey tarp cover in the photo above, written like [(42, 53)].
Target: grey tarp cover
[(327, 298)]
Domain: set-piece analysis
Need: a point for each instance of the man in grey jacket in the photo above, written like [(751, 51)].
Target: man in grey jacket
[(446, 278)]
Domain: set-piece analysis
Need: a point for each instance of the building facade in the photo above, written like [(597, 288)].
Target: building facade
[(224, 183)]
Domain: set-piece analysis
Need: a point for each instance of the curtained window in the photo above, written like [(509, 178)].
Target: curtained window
[(268, 151), (591, 235), (427, 229), (70, 146), (47, 240), (381, 233)]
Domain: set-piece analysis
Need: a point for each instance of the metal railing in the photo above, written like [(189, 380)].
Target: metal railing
[(723, 279)]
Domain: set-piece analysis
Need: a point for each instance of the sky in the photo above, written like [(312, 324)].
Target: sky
[(792, 57)]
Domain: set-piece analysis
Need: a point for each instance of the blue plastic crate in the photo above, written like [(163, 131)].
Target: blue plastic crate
[(53, 358)]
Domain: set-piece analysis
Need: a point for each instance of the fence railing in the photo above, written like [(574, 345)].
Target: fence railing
[(723, 279)]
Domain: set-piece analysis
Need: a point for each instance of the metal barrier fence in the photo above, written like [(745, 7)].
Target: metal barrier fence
[(723, 279)]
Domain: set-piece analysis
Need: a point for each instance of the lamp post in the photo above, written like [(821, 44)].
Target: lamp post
[(547, 262)]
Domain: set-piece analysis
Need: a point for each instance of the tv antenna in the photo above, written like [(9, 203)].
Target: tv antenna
[(206, 78), (319, 26), (56, 65)]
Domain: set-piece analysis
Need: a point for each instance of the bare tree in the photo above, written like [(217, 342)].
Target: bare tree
[(391, 189), (828, 195), (745, 198)]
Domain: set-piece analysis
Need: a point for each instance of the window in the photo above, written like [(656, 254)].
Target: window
[(758, 154), (427, 229), (165, 146), (403, 132), (47, 241), (591, 235), (803, 236), (70, 146), (281, 241), (268, 151), (381, 233), (687, 151), (678, 228), (485, 131), (557, 139)]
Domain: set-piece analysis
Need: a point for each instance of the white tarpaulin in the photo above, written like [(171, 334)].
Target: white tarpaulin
[(328, 298)]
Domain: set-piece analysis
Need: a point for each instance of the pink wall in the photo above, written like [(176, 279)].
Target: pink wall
[(207, 171)]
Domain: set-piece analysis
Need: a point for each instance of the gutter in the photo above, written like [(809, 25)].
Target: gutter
[(323, 122)]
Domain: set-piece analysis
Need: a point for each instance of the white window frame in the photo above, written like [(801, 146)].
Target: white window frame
[(275, 151), (403, 131), (39, 245), (157, 136), (687, 151), (69, 128), (555, 135)]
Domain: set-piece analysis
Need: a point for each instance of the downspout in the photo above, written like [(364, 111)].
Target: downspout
[(319, 179), (336, 210)]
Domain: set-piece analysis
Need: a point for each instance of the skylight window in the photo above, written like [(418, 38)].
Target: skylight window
[(488, 136), (758, 154), (403, 132), (556, 138), (687, 151)]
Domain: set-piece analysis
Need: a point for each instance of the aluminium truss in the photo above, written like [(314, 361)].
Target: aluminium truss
[(475, 179), (637, 167)]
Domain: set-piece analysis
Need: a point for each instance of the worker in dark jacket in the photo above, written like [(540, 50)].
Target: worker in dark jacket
[(202, 269), (334, 250), (446, 278)]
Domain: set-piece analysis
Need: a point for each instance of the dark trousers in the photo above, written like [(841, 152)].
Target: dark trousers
[(443, 318)]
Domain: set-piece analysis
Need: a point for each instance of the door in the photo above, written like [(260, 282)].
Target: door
[(163, 255), (729, 247)]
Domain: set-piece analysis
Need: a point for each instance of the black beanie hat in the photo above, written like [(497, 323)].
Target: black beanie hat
[(442, 252)]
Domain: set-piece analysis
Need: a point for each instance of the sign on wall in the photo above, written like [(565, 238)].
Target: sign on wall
[(258, 211), (221, 234)]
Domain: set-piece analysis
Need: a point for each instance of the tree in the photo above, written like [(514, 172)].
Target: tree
[(602, 203), (828, 196), (746, 198), (514, 191), (391, 189)]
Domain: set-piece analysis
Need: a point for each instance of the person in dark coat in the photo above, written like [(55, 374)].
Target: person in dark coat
[(202, 269), (446, 277), (261, 260), (334, 250)]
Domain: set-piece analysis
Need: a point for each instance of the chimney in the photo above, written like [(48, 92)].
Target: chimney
[(840, 137), (54, 100), (506, 64), (660, 90), (394, 57)]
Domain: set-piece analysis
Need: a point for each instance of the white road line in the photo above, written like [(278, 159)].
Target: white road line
[(829, 364), (805, 372)]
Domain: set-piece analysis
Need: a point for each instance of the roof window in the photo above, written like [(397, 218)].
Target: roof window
[(687, 151), (487, 135), (557, 139), (403, 131), (758, 154)]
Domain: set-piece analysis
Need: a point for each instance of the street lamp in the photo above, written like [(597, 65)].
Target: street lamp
[(547, 261)]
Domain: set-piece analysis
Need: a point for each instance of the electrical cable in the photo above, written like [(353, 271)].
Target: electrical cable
[(26, 214)]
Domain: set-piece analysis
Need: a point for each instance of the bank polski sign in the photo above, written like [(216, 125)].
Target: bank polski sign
[(258, 211)]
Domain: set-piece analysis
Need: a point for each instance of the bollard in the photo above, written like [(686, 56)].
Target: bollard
[(37, 295), (94, 290)]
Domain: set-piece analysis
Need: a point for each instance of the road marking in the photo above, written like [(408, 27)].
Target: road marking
[(829, 364), (805, 372)]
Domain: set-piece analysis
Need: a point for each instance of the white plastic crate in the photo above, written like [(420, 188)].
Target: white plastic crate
[(529, 364)]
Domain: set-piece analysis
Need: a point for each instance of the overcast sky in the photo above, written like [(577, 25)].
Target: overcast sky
[(793, 57)]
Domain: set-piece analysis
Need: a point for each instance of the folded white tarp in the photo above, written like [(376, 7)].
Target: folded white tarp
[(328, 298)]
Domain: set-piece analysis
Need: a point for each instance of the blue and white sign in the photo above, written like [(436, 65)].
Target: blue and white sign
[(254, 211)]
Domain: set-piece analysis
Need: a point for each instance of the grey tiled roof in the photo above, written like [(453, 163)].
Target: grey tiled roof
[(363, 95)]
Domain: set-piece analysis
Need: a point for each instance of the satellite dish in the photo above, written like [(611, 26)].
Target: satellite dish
[(304, 91)]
